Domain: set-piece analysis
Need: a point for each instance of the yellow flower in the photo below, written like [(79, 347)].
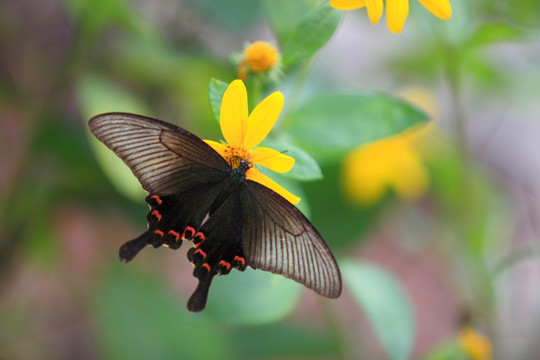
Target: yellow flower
[(388, 163), (243, 133), (396, 10), (475, 344), (259, 57)]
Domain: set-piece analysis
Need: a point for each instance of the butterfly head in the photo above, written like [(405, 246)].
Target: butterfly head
[(244, 166)]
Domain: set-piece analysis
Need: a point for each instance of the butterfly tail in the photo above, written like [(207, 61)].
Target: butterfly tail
[(131, 248), (197, 301)]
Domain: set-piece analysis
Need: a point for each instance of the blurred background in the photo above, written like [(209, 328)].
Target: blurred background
[(436, 229)]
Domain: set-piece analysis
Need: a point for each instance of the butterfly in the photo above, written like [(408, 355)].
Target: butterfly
[(195, 195)]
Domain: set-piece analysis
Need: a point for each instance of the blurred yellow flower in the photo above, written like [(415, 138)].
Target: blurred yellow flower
[(474, 343), (396, 10), (243, 132), (259, 57), (390, 163)]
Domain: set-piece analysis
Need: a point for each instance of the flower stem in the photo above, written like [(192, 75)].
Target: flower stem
[(333, 329), (297, 88)]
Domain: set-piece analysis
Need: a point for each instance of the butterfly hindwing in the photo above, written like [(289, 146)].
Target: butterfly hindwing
[(221, 251), (173, 218), (278, 238), (165, 158)]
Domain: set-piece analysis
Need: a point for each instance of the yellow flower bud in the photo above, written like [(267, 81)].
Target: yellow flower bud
[(261, 56)]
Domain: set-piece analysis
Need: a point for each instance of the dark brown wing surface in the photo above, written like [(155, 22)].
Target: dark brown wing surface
[(165, 158), (278, 238)]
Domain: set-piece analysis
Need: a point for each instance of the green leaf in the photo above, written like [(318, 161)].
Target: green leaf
[(331, 210), (285, 341), (305, 167), (138, 319), (386, 305), (312, 32), (450, 351), (216, 89), (96, 96), (328, 126), (234, 15), (283, 15), (252, 297), (492, 33)]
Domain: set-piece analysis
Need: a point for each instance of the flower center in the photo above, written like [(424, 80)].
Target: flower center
[(235, 155)]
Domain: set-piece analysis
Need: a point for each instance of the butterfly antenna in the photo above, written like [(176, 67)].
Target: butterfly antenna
[(270, 156)]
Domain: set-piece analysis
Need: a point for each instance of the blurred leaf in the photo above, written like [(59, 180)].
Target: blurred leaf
[(283, 15), (92, 16), (97, 96), (328, 126), (234, 15), (341, 222), (522, 12), (138, 319), (305, 167), (386, 305), (171, 81), (216, 89), (282, 341), (312, 32), (491, 33), (447, 352), (252, 297)]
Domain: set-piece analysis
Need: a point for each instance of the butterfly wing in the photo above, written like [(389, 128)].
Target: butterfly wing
[(165, 158), (278, 238)]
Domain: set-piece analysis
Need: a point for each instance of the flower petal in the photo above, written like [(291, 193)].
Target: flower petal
[(366, 172), (439, 8), (396, 13), (234, 113), (347, 4), (255, 175), (375, 10), (272, 159), (219, 147), (262, 119), (410, 178)]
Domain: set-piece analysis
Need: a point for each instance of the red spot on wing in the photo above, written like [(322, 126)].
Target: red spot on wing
[(156, 214), (175, 234), (157, 198), (205, 265), (199, 251), (159, 232), (225, 264), (240, 259), (188, 229), (201, 236)]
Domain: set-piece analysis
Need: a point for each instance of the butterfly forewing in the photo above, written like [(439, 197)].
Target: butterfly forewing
[(165, 158), (278, 238)]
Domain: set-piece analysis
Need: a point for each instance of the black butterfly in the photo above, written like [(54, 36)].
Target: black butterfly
[(195, 195)]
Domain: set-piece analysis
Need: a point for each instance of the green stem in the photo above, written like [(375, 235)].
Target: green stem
[(299, 83), (255, 89), (515, 257), (333, 329), (481, 284)]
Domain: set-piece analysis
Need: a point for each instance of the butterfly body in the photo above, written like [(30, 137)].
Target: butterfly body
[(196, 195)]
